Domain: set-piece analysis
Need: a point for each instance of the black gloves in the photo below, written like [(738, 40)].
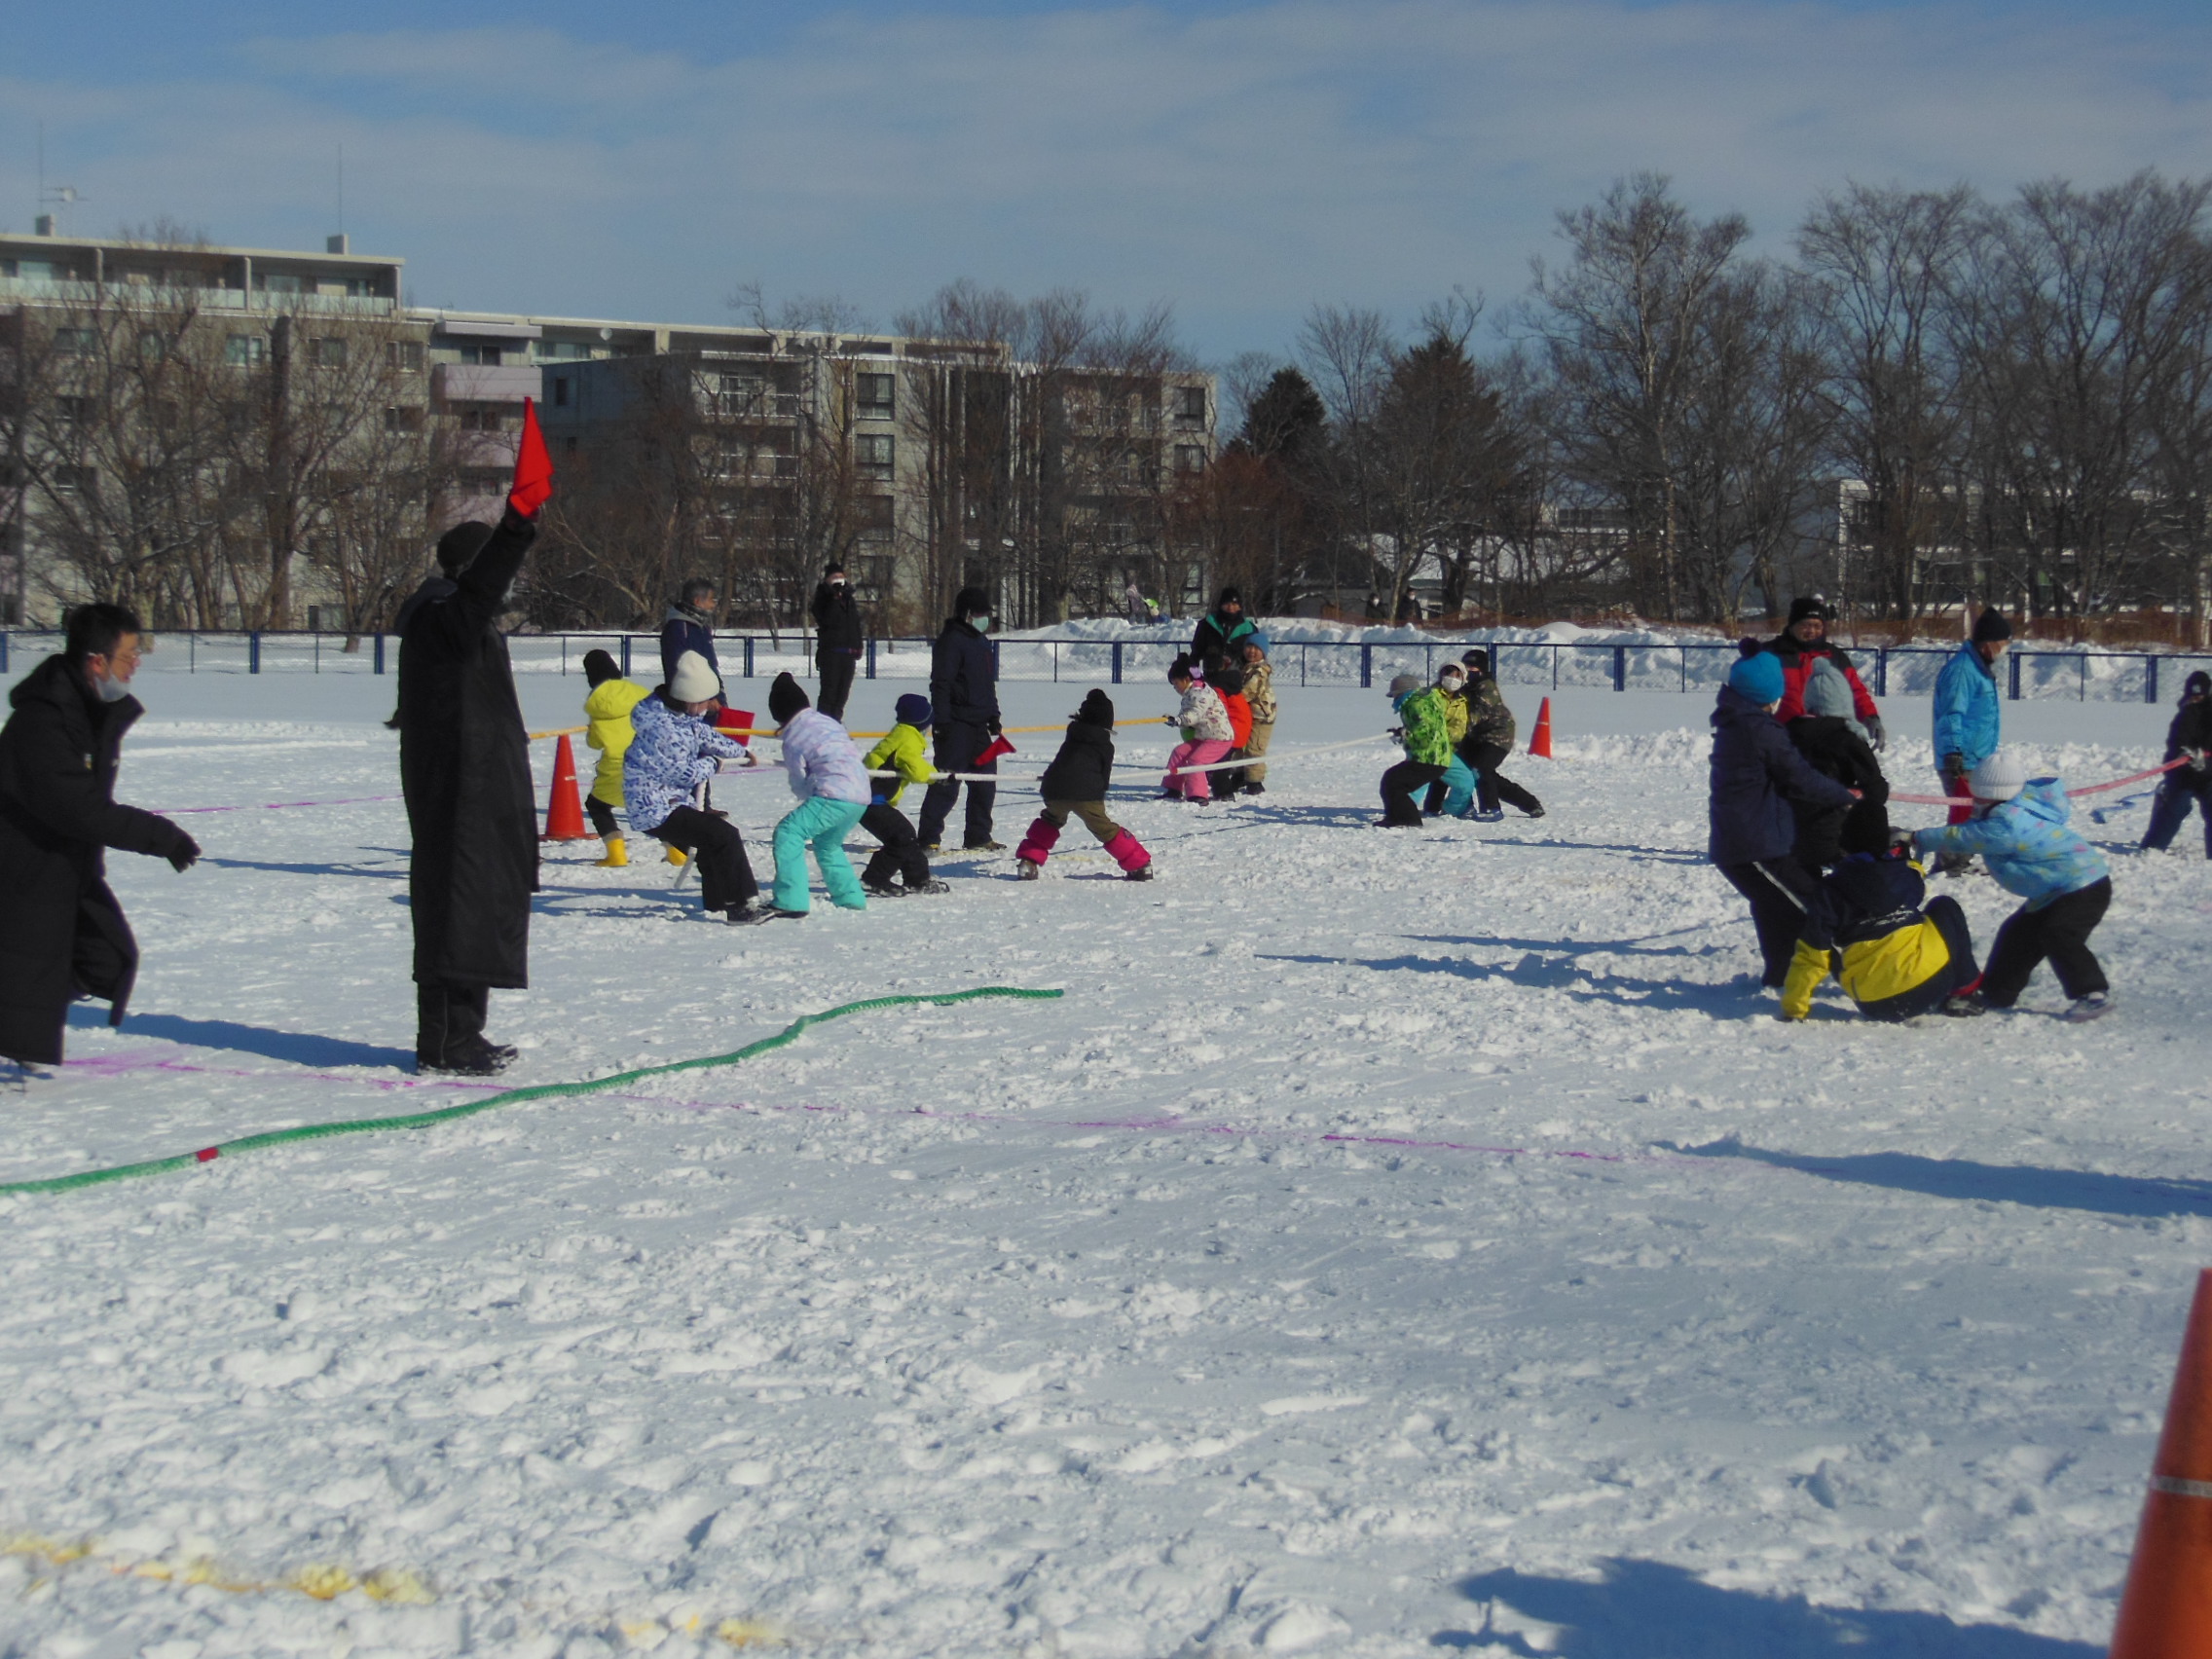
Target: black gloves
[(1877, 738), (995, 729), (183, 853)]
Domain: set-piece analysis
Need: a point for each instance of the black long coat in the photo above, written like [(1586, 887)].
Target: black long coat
[(836, 619), (964, 676), (1828, 835), (464, 767), (57, 814)]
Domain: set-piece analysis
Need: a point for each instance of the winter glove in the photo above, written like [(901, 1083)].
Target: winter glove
[(1955, 768), (995, 729), (1876, 738), (183, 853), (2195, 760)]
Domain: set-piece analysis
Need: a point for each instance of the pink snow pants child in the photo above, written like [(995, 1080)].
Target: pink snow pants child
[(1192, 786), (1044, 835)]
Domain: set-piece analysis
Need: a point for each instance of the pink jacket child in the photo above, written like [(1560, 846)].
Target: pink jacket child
[(1207, 735)]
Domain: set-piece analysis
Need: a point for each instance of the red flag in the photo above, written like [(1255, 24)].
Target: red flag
[(998, 745), (534, 467)]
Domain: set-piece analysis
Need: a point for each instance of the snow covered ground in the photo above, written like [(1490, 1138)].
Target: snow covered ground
[(1391, 1243)]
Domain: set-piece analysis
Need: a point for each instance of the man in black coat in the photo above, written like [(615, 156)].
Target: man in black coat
[(65, 935), (464, 768), (2188, 740), (1220, 629), (838, 639), (437, 586), (964, 692)]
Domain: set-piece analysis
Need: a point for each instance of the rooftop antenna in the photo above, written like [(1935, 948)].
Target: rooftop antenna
[(338, 243), (61, 196)]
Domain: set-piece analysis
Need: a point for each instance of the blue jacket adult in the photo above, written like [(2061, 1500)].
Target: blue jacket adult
[(683, 630), (1966, 714), (964, 676), (2027, 843), (1756, 773)]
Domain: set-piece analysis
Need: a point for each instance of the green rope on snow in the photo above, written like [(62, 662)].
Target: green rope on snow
[(510, 1098)]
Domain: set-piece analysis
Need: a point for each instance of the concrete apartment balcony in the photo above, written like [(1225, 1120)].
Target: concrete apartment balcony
[(486, 448), (481, 383)]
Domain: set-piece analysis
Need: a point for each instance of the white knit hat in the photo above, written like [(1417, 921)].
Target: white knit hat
[(693, 681), (2001, 776)]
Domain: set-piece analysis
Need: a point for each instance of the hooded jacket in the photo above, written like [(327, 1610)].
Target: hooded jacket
[(2191, 728), (1203, 717), (1833, 748), (900, 751), (2027, 843), (820, 759), (58, 754), (1967, 716), (964, 676), (1758, 774), (1867, 927), (1426, 738), (1084, 767), (1489, 722), (607, 709), (683, 630), (1216, 632), (671, 755), (1260, 691)]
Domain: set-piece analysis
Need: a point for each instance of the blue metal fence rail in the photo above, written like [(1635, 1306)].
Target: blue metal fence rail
[(2031, 671)]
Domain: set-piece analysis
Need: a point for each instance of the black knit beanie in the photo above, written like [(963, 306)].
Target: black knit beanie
[(600, 668), (972, 602), (460, 544), (786, 699), (1098, 709), (1991, 627), (1811, 605), (1227, 677)]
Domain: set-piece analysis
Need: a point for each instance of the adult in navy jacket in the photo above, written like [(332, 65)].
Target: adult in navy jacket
[(689, 626), (964, 692), (1757, 774), (839, 638)]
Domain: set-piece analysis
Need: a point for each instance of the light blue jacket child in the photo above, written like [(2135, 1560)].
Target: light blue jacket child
[(2030, 848)]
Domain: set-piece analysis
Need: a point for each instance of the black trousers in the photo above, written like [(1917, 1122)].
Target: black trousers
[(1400, 785), (2059, 931), (603, 823), (901, 850), (957, 746), (1779, 890), (2170, 810), (447, 1018), (836, 664), (1490, 786), (725, 873)]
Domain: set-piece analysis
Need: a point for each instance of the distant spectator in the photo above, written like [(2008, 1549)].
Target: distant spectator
[(689, 626)]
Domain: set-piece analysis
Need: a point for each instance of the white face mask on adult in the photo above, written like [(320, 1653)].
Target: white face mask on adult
[(109, 688), (981, 624)]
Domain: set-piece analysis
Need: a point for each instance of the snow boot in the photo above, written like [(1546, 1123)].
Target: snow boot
[(2095, 1006), (678, 857), (617, 855), (1026, 869), (1125, 850), (933, 885), (883, 889), (475, 1058), (983, 846), (1965, 1004), (1037, 844)]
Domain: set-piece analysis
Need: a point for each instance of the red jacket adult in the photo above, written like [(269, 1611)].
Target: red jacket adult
[(1797, 659)]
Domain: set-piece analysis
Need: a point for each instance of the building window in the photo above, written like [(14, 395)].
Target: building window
[(69, 480), (1190, 459), (405, 355), (1191, 405), (740, 395), (559, 391), (877, 395), (329, 352), (245, 350), (483, 418), (73, 410), (280, 283), (153, 344), (562, 351), (75, 342), (876, 521), (487, 355), (875, 575), (876, 454), (403, 418)]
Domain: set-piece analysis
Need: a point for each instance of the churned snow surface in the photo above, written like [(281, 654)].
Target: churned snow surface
[(1391, 1243)]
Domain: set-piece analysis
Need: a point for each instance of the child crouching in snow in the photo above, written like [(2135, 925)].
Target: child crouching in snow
[(900, 751), (1894, 959), (1428, 751), (674, 750), (2019, 827), (1207, 735), (826, 774), (607, 709), (1076, 783)]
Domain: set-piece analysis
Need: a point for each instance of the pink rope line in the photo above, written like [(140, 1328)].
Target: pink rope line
[(2085, 790)]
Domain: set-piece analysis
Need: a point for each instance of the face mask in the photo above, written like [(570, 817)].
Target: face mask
[(981, 624), (1453, 684), (110, 689), (836, 581)]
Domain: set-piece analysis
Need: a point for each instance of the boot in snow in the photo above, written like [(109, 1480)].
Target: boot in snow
[(1026, 871), (617, 855), (884, 889), (933, 885), (2095, 1006), (678, 857)]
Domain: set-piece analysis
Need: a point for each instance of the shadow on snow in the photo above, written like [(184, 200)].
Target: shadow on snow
[(1558, 972), (300, 1047), (1647, 1609)]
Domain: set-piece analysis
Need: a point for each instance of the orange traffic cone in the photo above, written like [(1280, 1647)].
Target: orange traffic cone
[(2167, 1607), (565, 808), (1540, 745)]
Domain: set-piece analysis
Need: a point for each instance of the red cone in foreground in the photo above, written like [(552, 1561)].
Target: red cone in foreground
[(1541, 743), (564, 807), (2165, 1610), (534, 467)]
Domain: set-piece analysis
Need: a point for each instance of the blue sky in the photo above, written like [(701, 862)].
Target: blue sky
[(1240, 160)]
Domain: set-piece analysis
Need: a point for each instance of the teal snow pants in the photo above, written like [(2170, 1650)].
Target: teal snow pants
[(821, 823)]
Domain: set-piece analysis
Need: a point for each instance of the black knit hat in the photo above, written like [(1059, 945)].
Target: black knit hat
[(1098, 709), (600, 668), (1477, 659), (1809, 604), (786, 698), (1226, 676), (460, 544), (2197, 684), (972, 602), (1230, 596), (1991, 627)]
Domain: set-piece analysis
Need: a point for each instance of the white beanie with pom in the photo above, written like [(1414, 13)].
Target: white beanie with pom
[(2001, 776), (693, 681)]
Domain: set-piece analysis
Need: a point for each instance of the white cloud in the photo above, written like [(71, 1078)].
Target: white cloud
[(1239, 164)]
